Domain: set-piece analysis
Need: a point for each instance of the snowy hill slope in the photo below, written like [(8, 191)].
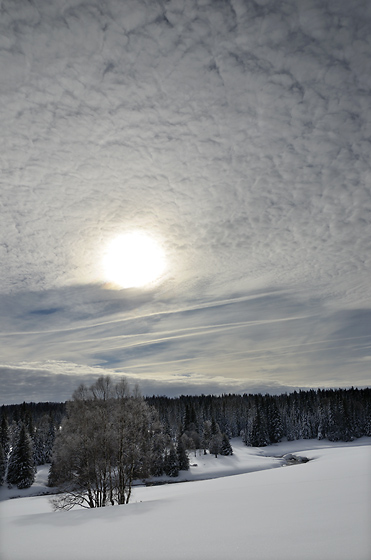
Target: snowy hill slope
[(317, 510)]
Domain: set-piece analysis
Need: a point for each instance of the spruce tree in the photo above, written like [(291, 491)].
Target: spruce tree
[(2, 465), (43, 440), (274, 423), (206, 435), (216, 439), (171, 466), (190, 419), (226, 448), (258, 436), (158, 450), (4, 434), (183, 460), (21, 468)]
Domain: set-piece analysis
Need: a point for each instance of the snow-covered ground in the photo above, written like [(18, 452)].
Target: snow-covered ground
[(319, 510)]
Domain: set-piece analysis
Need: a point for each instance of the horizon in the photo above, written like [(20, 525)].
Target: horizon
[(150, 396)]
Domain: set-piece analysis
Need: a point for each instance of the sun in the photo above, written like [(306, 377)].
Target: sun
[(133, 260)]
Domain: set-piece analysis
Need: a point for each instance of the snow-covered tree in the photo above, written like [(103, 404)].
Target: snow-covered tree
[(215, 442), (159, 440), (2, 465), (258, 436), (21, 467), (105, 442), (274, 423), (183, 460), (43, 440), (226, 448), (4, 434), (133, 439), (171, 466), (206, 435)]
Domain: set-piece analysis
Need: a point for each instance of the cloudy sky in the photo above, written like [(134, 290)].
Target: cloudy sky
[(237, 135)]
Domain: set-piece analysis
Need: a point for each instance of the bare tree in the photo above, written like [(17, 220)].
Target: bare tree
[(103, 445)]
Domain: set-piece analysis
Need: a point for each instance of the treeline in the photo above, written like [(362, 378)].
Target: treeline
[(335, 414), (167, 429)]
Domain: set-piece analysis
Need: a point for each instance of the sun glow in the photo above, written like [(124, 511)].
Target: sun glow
[(133, 260)]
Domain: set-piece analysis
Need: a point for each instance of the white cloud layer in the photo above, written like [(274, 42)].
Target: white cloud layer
[(238, 134)]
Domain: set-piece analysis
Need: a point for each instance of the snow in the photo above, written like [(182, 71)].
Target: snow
[(315, 510)]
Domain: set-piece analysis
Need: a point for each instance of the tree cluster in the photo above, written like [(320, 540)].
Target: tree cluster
[(106, 437), (109, 438), (335, 414), (27, 434), (17, 464)]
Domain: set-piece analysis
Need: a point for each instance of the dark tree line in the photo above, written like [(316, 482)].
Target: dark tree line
[(335, 414), (159, 433)]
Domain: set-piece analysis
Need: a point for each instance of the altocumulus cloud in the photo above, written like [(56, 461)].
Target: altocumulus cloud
[(238, 134)]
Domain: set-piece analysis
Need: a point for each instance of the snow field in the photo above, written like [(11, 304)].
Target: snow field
[(320, 510)]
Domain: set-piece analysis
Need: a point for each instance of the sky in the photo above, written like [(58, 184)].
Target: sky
[(236, 134)]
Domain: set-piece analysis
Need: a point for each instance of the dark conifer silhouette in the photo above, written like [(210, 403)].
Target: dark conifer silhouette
[(182, 456), (226, 448), (21, 468), (2, 465), (171, 466)]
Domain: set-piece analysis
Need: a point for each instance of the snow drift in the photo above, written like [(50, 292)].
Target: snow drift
[(314, 510)]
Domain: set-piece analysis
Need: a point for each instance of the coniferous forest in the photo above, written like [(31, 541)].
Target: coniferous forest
[(337, 415), (161, 432)]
